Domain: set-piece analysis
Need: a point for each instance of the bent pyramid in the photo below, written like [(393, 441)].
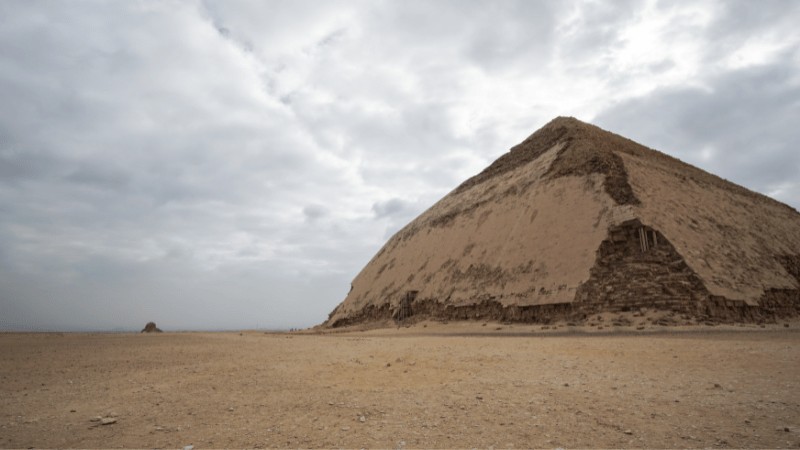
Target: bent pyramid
[(577, 220)]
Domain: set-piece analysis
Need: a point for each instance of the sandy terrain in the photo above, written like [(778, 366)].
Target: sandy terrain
[(519, 386)]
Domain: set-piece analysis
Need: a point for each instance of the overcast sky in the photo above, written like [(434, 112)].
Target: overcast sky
[(232, 164)]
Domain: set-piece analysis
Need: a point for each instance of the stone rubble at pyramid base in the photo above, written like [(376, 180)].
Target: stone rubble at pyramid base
[(778, 307)]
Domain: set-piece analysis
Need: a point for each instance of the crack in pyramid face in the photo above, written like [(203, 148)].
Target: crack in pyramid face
[(576, 220)]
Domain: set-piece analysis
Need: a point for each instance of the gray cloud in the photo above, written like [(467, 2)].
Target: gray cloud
[(210, 164), (390, 207), (314, 212)]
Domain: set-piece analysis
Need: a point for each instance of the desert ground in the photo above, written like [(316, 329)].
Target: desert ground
[(428, 385)]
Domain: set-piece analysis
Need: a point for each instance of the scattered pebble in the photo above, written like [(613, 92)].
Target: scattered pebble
[(362, 419), (107, 421), (628, 432)]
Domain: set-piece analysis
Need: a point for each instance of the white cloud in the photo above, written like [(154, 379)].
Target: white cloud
[(236, 158)]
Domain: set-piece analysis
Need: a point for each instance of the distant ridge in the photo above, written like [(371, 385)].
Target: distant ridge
[(576, 220)]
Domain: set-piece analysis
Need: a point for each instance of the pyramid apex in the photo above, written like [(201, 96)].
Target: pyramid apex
[(568, 122), (561, 130), (570, 126), (565, 127), (565, 120)]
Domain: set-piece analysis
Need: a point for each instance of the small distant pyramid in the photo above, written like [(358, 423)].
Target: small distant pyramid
[(151, 327), (576, 220)]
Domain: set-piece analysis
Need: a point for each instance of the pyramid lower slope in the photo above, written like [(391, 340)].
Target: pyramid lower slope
[(576, 220)]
